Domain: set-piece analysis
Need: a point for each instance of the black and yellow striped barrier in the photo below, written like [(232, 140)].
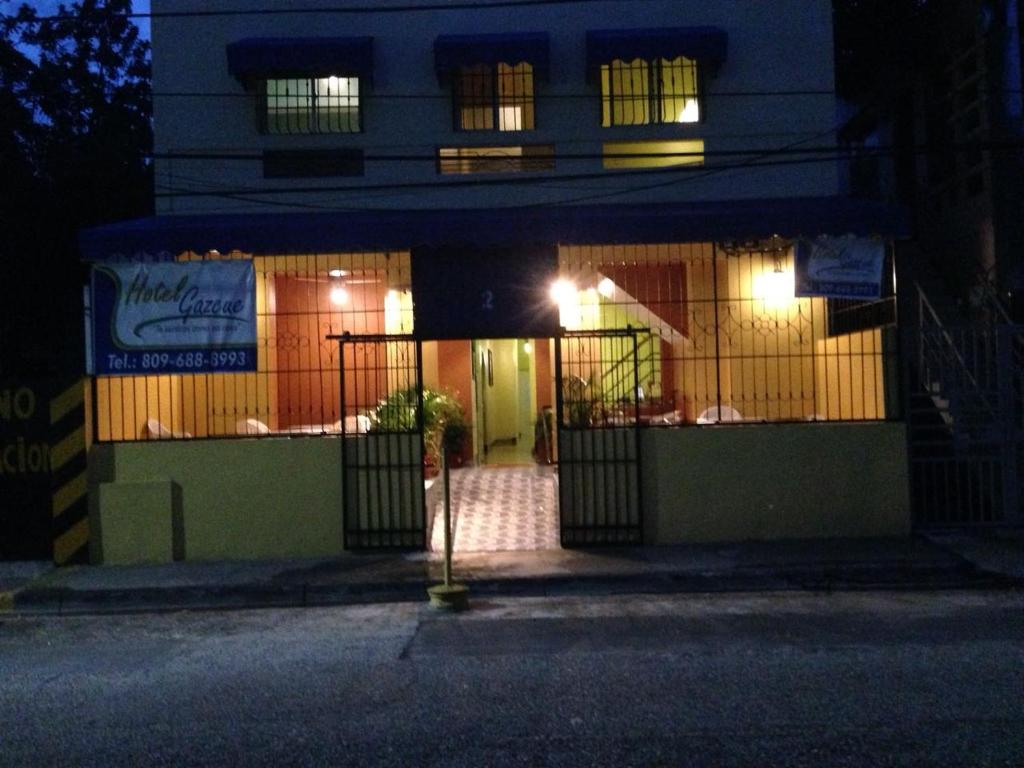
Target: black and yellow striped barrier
[(69, 470)]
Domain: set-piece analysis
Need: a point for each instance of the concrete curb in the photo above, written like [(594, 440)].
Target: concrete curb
[(55, 600)]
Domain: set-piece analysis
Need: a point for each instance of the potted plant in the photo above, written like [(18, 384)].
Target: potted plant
[(444, 423)]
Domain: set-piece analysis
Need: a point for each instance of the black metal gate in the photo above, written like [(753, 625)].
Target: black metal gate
[(382, 446), (598, 399), (966, 423)]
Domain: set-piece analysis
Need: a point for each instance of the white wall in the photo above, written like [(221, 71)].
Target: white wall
[(779, 45)]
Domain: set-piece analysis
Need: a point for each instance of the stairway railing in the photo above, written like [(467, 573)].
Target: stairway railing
[(618, 380), (959, 369), (966, 467)]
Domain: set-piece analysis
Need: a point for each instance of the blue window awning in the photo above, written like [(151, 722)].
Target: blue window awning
[(454, 51), (165, 237), (708, 45), (258, 58)]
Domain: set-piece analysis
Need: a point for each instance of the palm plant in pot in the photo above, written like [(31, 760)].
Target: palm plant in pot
[(444, 422)]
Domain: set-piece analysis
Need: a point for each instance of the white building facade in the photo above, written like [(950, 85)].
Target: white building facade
[(579, 222)]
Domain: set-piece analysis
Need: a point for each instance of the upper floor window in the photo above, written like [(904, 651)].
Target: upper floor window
[(311, 105), (494, 97), (655, 92)]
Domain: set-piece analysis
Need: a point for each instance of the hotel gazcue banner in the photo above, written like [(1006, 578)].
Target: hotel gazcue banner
[(180, 317), (840, 267)]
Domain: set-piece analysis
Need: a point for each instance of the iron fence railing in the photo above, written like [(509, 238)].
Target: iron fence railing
[(966, 420), (722, 338)]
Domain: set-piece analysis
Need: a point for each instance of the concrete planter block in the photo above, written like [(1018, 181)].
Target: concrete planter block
[(141, 522)]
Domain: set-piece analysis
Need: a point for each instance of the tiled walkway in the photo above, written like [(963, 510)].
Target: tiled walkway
[(501, 509)]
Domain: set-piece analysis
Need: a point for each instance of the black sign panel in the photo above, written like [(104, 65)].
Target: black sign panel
[(484, 293), (25, 483)]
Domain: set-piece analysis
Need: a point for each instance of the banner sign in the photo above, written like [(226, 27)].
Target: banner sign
[(182, 317), (25, 486), (840, 267)]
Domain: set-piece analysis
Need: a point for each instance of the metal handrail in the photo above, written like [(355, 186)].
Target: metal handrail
[(648, 338), (951, 352)]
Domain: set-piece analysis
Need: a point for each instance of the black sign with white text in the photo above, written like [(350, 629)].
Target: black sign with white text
[(484, 293)]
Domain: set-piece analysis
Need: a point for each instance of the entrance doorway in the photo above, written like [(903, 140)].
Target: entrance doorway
[(505, 401), (505, 497)]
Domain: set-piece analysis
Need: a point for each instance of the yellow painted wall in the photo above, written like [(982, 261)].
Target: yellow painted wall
[(759, 482), (140, 523), (281, 497), (501, 397), (850, 377), (239, 499), (771, 359)]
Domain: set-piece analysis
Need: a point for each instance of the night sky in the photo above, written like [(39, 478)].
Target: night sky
[(46, 7)]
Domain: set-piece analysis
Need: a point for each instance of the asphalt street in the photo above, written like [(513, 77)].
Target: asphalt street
[(880, 679)]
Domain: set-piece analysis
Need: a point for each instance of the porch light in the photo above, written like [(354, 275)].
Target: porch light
[(776, 288), (337, 273), (527, 347), (339, 296), (563, 292), (606, 287)]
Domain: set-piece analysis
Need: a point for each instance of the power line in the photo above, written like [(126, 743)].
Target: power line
[(466, 5), (839, 150), (489, 181), (693, 173), (710, 172), (542, 96), (447, 96)]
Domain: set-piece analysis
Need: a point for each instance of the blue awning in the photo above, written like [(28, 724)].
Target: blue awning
[(164, 237), (454, 51), (266, 57), (708, 45)]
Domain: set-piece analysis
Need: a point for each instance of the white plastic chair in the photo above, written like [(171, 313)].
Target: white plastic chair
[(716, 415)]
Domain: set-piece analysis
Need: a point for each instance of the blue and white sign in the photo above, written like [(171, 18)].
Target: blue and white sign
[(181, 317), (840, 267)]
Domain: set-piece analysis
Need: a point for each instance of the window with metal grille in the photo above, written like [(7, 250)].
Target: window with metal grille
[(312, 163), (311, 105), (463, 160), (494, 98), (654, 92)]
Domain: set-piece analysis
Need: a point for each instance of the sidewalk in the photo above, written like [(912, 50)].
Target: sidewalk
[(942, 562)]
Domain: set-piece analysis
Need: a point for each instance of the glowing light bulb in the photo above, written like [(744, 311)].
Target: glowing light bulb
[(563, 292), (606, 287), (775, 289), (339, 296)]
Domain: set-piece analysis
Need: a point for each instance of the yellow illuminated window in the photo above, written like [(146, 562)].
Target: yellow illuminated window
[(650, 92), (653, 154), (494, 98), (461, 160)]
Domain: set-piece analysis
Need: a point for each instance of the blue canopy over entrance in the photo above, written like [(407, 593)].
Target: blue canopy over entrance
[(164, 237)]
